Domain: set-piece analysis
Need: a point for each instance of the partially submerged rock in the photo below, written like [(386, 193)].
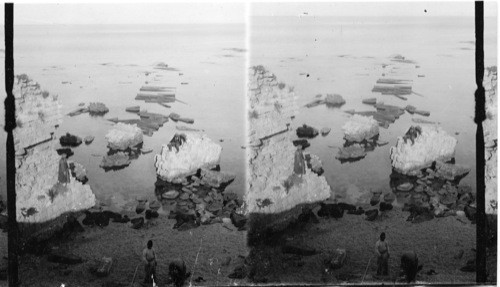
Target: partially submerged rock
[(431, 144), (216, 178), (186, 120), (114, 161), (306, 131), (451, 171), (334, 100), (302, 142), (70, 140), (315, 103), (185, 158), (360, 128), (133, 109), (124, 136), (325, 131), (88, 139), (97, 109), (351, 153), (369, 101)]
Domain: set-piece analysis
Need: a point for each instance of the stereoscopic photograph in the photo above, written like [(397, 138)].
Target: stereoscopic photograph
[(249, 143)]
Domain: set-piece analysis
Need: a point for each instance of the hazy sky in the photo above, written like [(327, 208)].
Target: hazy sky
[(129, 13), (371, 8), (228, 12)]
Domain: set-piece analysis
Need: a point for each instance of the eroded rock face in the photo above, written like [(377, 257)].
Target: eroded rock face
[(271, 108), (360, 128), (39, 195), (37, 114), (491, 139), (197, 151), (273, 186), (124, 136), (431, 144)]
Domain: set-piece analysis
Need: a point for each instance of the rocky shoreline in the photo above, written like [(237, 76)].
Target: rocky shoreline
[(424, 183)]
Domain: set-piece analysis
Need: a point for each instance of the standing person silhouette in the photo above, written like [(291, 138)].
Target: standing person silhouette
[(149, 258), (382, 250), (63, 176)]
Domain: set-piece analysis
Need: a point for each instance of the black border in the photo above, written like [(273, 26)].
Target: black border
[(10, 125), (480, 116)]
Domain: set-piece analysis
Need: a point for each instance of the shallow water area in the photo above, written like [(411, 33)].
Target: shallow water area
[(109, 64), (346, 56)]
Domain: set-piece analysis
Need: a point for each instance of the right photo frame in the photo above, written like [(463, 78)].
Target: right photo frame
[(361, 153)]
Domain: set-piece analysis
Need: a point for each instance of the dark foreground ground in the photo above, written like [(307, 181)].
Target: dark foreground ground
[(437, 243), (209, 251)]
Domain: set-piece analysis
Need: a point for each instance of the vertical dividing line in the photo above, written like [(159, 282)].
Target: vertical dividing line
[(481, 237), (10, 125)]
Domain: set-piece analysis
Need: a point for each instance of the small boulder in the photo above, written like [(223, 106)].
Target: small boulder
[(369, 101), (407, 186), (171, 194), (389, 197), (302, 142), (69, 152), (115, 161), (137, 222), (334, 100), (375, 199), (88, 139), (470, 212), (155, 205), (151, 214), (371, 215), (97, 109), (238, 220), (70, 140), (351, 153), (385, 206), (133, 109), (306, 131), (330, 210), (140, 207), (411, 109), (325, 131)]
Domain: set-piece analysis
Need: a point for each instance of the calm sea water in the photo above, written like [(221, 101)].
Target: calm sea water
[(109, 64), (287, 46), (345, 56)]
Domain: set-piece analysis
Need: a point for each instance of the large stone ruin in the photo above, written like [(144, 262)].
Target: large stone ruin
[(39, 195), (278, 179)]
